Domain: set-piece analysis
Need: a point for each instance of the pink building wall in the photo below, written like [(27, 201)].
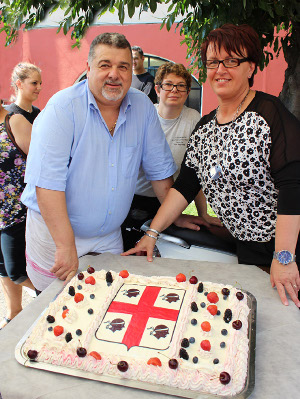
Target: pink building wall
[(61, 65)]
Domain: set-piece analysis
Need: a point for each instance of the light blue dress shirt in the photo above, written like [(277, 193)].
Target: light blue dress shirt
[(72, 150)]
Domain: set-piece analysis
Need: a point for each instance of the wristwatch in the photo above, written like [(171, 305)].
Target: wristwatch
[(284, 257)]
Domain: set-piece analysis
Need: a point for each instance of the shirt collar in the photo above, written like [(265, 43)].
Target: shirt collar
[(91, 99), (126, 103)]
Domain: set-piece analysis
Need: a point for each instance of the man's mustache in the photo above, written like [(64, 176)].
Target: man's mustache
[(112, 82)]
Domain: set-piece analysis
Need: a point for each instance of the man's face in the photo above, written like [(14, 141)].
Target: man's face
[(110, 74), (138, 63)]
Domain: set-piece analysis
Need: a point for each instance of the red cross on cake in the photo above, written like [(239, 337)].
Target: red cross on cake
[(145, 311)]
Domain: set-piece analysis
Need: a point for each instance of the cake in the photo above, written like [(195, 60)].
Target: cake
[(174, 331)]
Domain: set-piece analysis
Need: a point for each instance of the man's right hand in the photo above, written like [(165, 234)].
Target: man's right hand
[(66, 263), (53, 209)]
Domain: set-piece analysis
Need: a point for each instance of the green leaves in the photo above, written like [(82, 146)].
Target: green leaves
[(263, 15), (153, 5), (121, 12), (196, 18), (131, 8)]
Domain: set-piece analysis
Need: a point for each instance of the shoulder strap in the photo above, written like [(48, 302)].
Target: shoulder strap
[(10, 134)]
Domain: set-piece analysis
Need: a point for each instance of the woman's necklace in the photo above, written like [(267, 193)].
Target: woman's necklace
[(26, 109), (216, 171), (236, 112)]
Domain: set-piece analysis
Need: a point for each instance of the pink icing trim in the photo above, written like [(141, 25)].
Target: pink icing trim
[(37, 268)]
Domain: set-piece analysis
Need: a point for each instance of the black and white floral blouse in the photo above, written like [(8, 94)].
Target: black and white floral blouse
[(258, 155)]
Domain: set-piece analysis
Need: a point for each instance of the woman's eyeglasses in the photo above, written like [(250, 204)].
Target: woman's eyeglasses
[(228, 63), (170, 87)]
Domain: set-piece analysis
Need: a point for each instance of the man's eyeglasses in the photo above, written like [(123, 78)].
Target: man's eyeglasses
[(170, 87), (228, 63)]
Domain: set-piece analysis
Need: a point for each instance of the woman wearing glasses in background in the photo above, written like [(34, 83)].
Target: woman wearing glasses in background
[(245, 156), (172, 85)]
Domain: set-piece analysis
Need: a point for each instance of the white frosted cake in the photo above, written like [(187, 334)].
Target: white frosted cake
[(164, 330)]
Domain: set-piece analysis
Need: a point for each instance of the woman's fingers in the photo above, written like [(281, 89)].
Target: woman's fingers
[(146, 244), (286, 279)]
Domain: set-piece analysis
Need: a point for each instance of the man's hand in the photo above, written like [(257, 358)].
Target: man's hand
[(190, 222), (66, 263), (146, 244), (287, 280)]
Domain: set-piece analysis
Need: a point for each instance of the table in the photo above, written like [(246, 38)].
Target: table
[(277, 340)]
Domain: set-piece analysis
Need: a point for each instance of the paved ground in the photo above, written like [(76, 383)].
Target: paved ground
[(26, 300)]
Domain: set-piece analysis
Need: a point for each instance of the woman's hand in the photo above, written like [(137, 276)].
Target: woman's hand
[(211, 220), (201, 205), (286, 277), (287, 280), (190, 222), (146, 244)]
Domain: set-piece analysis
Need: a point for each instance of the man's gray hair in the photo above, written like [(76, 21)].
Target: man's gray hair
[(109, 39)]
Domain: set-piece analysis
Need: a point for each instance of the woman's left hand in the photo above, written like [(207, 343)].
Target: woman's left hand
[(287, 280)]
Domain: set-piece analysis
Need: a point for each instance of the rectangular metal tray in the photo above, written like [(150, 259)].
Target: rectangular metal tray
[(245, 393)]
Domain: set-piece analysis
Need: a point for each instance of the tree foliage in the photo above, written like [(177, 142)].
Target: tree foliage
[(265, 16), (196, 19), (79, 15)]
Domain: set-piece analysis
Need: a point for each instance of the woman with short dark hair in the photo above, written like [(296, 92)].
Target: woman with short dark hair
[(245, 157)]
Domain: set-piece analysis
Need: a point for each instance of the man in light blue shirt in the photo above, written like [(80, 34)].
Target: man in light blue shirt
[(86, 149)]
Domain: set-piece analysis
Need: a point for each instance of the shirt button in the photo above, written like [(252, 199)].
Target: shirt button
[(112, 165), (112, 189), (109, 213)]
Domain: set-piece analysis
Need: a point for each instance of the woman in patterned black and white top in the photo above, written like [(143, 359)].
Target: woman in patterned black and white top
[(245, 156)]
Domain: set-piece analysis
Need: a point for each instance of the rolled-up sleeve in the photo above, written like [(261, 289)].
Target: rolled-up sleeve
[(50, 149)]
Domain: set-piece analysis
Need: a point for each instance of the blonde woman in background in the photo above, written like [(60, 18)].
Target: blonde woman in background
[(26, 81), (15, 134)]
